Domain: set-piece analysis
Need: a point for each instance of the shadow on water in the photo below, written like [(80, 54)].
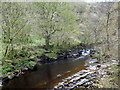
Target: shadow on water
[(47, 75)]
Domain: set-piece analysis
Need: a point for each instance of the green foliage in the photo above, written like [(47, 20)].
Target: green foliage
[(31, 64), (36, 52), (54, 50), (51, 55), (28, 63), (5, 69), (37, 40), (1, 69), (98, 53), (55, 18)]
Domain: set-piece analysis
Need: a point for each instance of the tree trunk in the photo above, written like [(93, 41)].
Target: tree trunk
[(47, 42), (95, 32), (107, 28)]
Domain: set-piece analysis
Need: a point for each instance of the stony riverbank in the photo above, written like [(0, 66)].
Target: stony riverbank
[(16, 72), (73, 52), (88, 78), (77, 52)]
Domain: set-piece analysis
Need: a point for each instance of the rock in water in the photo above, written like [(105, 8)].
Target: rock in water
[(59, 75), (0, 83), (11, 76)]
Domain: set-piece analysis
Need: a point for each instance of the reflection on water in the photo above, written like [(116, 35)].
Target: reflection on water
[(47, 75)]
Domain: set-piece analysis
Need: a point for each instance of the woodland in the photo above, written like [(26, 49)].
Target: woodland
[(33, 33)]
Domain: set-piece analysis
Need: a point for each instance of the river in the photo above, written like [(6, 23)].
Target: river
[(47, 75)]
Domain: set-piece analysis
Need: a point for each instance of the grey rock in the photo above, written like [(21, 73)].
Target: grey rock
[(11, 76), (59, 75)]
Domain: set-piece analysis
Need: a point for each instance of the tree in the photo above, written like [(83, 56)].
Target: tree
[(55, 17), (15, 28)]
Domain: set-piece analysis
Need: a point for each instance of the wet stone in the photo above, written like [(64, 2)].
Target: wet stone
[(59, 75), (64, 80), (83, 78)]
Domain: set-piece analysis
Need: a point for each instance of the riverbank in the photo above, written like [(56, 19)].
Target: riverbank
[(94, 76), (60, 53), (91, 77), (47, 75), (30, 65), (16, 71)]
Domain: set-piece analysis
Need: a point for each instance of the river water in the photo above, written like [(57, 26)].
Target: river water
[(47, 75)]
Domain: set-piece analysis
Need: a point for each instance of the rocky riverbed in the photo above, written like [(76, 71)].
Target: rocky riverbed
[(88, 78)]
